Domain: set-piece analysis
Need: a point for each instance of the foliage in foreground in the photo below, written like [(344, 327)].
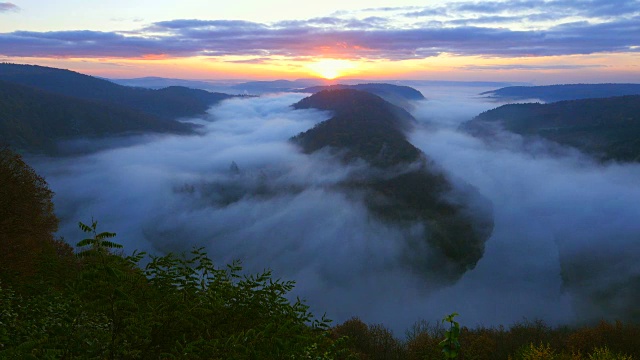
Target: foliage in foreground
[(172, 307)]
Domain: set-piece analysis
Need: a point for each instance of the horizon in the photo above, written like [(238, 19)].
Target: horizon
[(535, 42)]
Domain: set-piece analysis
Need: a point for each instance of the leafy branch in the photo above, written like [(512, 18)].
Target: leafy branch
[(450, 345)]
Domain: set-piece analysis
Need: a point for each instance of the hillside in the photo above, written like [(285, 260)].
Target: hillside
[(33, 120), (395, 94), (168, 103), (552, 93), (367, 126), (154, 82), (404, 188), (608, 129)]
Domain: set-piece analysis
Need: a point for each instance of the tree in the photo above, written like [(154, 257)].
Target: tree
[(372, 342), (27, 220)]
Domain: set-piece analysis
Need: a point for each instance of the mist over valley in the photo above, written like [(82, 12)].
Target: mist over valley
[(397, 179), (560, 231)]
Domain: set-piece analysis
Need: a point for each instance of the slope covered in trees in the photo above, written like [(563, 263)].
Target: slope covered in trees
[(551, 93), (169, 103), (403, 186), (33, 120), (27, 220), (607, 128), (366, 125), (395, 94)]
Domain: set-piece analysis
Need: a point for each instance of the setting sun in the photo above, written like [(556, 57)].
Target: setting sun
[(331, 68)]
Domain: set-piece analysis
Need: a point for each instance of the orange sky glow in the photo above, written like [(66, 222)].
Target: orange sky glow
[(618, 68), (554, 41)]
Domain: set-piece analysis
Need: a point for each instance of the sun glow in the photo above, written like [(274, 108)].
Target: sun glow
[(331, 68)]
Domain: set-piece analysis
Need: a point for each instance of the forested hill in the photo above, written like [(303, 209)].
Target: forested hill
[(607, 128), (366, 125), (403, 187), (395, 94), (33, 120), (169, 103), (551, 93)]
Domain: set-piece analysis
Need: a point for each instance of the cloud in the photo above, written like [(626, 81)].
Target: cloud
[(213, 25), (530, 67), (532, 12), (248, 39), (561, 8), (429, 12), (466, 28), (496, 19), (599, 8), (121, 19), (8, 7), (368, 23), (493, 7), (81, 44), (258, 60)]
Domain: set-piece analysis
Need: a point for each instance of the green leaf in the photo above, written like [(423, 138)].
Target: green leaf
[(85, 227), (85, 242), (105, 235)]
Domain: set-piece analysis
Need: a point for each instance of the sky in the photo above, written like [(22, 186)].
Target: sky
[(537, 41)]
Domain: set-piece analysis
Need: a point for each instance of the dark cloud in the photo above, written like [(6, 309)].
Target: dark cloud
[(428, 12), (366, 38), (486, 20), (372, 22), (597, 8), (83, 44), (532, 9), (585, 37), (208, 24), (496, 7), (589, 8), (7, 6)]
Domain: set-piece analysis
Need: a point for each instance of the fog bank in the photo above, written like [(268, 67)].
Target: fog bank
[(244, 192)]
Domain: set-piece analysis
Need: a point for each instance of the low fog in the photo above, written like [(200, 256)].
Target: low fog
[(242, 191)]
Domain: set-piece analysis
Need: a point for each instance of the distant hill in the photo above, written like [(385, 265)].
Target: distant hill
[(449, 83), (33, 120), (395, 94), (169, 103), (274, 86), (403, 186), (154, 82), (552, 93), (608, 128)]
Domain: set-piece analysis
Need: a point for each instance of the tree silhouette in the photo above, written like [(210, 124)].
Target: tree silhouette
[(27, 220)]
